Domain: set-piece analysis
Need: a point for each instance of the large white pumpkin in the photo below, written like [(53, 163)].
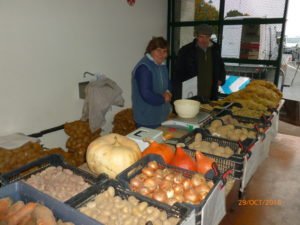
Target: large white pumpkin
[(111, 154)]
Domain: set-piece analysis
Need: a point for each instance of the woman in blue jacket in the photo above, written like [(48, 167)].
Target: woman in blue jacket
[(151, 94)]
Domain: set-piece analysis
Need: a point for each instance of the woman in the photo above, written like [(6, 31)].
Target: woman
[(151, 86)]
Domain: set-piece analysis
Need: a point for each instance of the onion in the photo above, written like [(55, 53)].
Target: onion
[(150, 183), (178, 188), (158, 173), (190, 196), (153, 165), (135, 183), (178, 178), (198, 179), (202, 188), (141, 176), (148, 172), (169, 192), (165, 184), (202, 195), (186, 184), (210, 184), (143, 191), (160, 196), (170, 177), (178, 197)]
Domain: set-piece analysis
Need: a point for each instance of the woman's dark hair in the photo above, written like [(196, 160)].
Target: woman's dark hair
[(156, 42)]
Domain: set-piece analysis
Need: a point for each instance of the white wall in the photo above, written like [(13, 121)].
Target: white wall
[(47, 45)]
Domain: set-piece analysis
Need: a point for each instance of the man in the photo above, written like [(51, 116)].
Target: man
[(201, 58)]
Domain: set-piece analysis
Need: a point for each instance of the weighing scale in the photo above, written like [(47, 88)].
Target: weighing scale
[(188, 123)]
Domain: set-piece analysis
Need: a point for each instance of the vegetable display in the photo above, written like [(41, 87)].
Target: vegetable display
[(109, 209), (169, 186), (111, 154), (230, 132), (57, 182), (211, 147)]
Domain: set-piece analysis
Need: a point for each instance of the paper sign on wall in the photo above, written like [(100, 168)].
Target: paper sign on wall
[(189, 88)]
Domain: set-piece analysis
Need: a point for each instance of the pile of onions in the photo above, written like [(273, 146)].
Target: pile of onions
[(168, 186)]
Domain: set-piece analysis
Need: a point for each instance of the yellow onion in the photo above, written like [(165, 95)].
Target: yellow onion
[(158, 173), (186, 184), (169, 192), (171, 201), (165, 184), (198, 179), (135, 183), (178, 197), (141, 176), (178, 188), (178, 178), (148, 172), (202, 188), (210, 183), (160, 196), (190, 196), (150, 183), (153, 165), (143, 191), (170, 177)]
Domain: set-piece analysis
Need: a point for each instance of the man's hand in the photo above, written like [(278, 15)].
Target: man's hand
[(167, 95), (219, 83)]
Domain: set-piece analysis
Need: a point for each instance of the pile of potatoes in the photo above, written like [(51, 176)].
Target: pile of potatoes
[(80, 137), (14, 158), (58, 182), (229, 131), (109, 209), (228, 119), (211, 147)]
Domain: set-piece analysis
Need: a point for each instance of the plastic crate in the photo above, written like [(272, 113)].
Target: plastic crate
[(41, 164), (136, 168), (229, 106), (246, 144), (20, 191), (178, 211), (260, 123), (235, 162)]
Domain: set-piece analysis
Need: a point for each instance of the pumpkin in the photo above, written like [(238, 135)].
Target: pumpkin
[(164, 150), (183, 160), (204, 163), (111, 154)]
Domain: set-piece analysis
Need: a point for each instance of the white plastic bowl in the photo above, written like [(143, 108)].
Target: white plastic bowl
[(187, 108)]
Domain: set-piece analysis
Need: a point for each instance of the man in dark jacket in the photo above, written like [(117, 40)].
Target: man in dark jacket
[(201, 58)]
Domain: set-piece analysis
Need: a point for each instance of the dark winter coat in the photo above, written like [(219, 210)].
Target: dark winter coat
[(185, 68)]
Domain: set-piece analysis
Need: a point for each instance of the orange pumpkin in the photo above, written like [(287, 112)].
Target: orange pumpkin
[(183, 160), (204, 163), (164, 150)]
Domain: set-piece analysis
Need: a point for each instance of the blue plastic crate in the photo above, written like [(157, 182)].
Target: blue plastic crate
[(41, 164), (20, 191)]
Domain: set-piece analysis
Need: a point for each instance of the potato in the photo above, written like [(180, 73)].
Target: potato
[(216, 123)]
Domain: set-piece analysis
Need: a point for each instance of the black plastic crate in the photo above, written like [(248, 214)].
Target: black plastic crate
[(20, 191), (41, 164), (259, 123), (176, 210), (246, 144), (135, 169), (235, 162), (229, 106)]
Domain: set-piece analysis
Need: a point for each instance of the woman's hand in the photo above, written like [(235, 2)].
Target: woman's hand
[(167, 95)]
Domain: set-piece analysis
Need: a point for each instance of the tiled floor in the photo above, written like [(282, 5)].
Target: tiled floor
[(276, 179)]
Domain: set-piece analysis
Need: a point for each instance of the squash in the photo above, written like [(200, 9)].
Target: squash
[(204, 163), (111, 154), (164, 150), (183, 160)]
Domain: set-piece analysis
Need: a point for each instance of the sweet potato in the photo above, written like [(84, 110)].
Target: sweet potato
[(43, 215), (19, 215), (5, 203)]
